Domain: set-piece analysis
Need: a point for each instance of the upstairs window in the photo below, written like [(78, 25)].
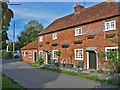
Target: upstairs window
[(54, 54), (54, 36), (78, 54), (78, 31), (111, 25), (41, 39)]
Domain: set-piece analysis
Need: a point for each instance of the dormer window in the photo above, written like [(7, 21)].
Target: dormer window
[(78, 31), (111, 25), (54, 36), (41, 39)]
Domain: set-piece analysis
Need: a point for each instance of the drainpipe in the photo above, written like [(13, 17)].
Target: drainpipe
[(37, 48)]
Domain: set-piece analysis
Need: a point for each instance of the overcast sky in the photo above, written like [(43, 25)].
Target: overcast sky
[(44, 12)]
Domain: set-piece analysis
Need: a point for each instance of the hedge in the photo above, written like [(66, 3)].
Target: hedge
[(6, 55)]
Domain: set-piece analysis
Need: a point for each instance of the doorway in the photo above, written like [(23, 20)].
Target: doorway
[(35, 54), (92, 60), (47, 58)]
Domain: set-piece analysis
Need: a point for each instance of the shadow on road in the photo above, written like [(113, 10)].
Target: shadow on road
[(30, 77), (27, 76)]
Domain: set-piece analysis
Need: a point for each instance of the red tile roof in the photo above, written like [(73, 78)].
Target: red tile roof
[(32, 45), (96, 12)]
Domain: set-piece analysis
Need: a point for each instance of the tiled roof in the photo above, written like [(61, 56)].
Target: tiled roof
[(96, 12), (32, 45)]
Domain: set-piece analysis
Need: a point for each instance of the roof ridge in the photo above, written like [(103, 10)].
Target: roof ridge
[(86, 15)]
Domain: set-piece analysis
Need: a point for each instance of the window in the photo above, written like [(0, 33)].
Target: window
[(54, 54), (78, 54), (41, 39), (41, 54), (24, 53), (54, 36), (111, 25), (30, 54), (78, 31), (113, 49)]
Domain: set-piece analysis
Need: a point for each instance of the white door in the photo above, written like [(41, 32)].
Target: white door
[(46, 58)]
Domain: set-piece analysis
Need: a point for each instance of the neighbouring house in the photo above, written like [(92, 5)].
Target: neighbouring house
[(29, 52), (81, 35)]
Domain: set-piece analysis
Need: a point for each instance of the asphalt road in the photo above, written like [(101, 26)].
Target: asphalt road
[(30, 77)]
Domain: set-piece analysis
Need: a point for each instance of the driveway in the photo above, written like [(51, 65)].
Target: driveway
[(30, 77)]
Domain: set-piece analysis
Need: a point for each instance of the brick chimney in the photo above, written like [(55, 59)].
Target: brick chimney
[(78, 8)]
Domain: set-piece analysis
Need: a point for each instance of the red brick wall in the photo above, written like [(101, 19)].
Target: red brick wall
[(67, 36), (26, 57)]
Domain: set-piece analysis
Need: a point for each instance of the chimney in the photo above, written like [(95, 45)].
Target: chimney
[(78, 8)]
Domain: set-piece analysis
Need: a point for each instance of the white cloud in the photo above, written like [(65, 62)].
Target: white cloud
[(26, 13)]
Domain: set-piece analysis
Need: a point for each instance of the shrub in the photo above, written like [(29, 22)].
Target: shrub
[(114, 61), (38, 63), (6, 55), (58, 53)]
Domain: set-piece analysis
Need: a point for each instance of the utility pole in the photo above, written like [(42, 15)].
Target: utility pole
[(13, 36)]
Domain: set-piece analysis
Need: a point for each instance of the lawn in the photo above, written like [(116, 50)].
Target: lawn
[(7, 83)]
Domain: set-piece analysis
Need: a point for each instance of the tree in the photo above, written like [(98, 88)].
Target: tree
[(17, 46), (5, 17), (7, 14), (31, 29)]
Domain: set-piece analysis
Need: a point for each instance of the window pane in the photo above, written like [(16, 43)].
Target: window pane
[(107, 25), (112, 24), (79, 54)]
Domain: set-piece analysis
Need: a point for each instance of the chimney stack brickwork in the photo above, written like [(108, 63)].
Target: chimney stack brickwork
[(78, 8)]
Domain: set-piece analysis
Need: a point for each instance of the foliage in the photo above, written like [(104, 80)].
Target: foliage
[(101, 54), (6, 55), (7, 14), (17, 46), (38, 63), (31, 29), (7, 83), (5, 17), (58, 53), (3, 40), (114, 61)]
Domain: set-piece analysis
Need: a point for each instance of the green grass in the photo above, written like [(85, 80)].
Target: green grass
[(7, 83), (95, 78)]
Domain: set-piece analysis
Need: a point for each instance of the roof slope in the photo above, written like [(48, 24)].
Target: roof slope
[(96, 12), (32, 45)]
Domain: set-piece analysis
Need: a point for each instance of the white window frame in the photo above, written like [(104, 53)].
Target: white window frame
[(29, 54), (76, 56), (54, 36), (24, 53), (110, 27), (77, 31), (106, 48), (55, 54), (41, 39), (42, 54)]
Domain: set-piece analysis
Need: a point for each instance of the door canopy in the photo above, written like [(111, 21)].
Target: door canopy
[(91, 49)]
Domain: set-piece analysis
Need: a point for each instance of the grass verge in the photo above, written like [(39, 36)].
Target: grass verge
[(8, 83), (95, 78)]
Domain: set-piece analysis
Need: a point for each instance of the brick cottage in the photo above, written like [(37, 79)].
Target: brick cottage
[(80, 36), (29, 52)]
